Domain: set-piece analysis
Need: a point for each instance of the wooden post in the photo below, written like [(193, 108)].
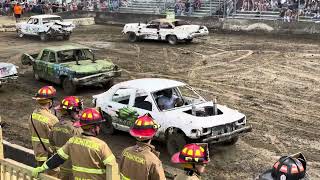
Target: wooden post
[(1, 142)]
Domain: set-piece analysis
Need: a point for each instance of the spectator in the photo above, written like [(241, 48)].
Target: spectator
[(17, 11), (197, 4)]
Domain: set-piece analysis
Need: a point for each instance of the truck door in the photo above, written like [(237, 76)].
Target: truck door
[(40, 65), (51, 71), (165, 29), (151, 31), (120, 108)]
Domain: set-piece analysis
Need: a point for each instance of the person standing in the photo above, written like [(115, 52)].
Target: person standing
[(69, 109), (142, 157), (17, 10), (91, 158), (193, 158), (41, 123)]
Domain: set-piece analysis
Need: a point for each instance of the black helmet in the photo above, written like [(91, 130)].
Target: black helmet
[(290, 167)]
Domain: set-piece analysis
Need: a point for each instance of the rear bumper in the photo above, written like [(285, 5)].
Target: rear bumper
[(96, 78), (9, 79), (227, 136), (200, 33)]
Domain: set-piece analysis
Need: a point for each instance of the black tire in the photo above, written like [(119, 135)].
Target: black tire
[(19, 33), (108, 84), (132, 37), (189, 40), (172, 39), (107, 128), (66, 37), (43, 36), (232, 141), (68, 86), (175, 143)]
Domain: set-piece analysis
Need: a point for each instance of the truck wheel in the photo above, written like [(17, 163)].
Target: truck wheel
[(172, 39), (108, 84), (175, 143), (189, 40), (68, 86), (66, 37), (232, 141), (43, 36), (20, 34), (132, 37), (107, 127)]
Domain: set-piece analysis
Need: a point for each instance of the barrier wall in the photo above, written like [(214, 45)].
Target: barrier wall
[(219, 24)]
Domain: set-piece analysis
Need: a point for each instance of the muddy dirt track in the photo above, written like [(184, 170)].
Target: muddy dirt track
[(274, 81)]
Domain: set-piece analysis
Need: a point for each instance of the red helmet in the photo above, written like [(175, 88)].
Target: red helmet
[(144, 127), (72, 103), (192, 153), (91, 116), (46, 92)]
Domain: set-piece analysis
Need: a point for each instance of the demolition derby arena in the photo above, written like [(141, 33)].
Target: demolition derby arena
[(274, 81)]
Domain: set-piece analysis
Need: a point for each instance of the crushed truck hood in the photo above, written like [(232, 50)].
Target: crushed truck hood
[(7, 69), (88, 67)]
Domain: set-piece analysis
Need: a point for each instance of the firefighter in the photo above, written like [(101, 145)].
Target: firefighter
[(69, 109), (91, 158), (193, 158), (142, 157), (291, 167), (41, 123)]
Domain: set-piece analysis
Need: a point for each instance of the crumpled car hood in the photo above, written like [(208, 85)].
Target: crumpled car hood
[(88, 67), (7, 69)]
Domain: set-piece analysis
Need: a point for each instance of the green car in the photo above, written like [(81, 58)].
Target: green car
[(71, 66)]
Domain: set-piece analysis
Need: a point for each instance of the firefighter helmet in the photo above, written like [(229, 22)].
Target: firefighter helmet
[(192, 153), (72, 103), (144, 127), (46, 92), (91, 116), (290, 167)]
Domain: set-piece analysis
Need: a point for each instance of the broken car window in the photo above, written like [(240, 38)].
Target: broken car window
[(73, 55), (45, 56)]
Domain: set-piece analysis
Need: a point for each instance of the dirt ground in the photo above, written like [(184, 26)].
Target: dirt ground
[(275, 81)]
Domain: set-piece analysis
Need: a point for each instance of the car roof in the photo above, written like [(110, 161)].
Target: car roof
[(44, 16), (151, 84), (65, 48), (166, 20)]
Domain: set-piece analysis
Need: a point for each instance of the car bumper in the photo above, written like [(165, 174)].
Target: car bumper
[(198, 34), (96, 78), (227, 136), (9, 79)]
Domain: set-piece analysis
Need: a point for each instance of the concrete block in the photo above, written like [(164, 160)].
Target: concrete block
[(10, 29)]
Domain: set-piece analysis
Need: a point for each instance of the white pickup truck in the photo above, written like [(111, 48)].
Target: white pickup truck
[(171, 30), (190, 118), (45, 26), (8, 73)]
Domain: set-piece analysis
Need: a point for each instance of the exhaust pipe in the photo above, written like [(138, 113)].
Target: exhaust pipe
[(215, 109)]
